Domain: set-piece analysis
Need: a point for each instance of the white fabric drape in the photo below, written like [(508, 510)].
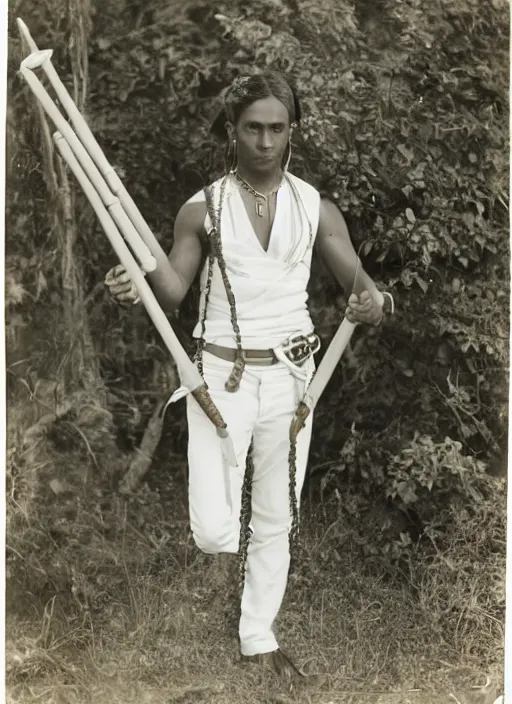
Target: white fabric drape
[(269, 287)]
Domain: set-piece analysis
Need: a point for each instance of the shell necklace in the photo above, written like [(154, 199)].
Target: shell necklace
[(258, 197)]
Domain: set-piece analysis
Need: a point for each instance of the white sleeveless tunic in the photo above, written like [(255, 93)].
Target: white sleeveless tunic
[(269, 287)]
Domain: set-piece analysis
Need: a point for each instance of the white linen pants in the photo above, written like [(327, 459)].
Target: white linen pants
[(261, 409)]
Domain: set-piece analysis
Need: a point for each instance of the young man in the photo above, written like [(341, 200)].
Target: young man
[(256, 228)]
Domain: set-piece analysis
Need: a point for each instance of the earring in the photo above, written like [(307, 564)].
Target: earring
[(230, 156), (234, 157), (287, 162)]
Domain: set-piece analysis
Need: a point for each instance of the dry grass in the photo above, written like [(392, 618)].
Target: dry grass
[(138, 615)]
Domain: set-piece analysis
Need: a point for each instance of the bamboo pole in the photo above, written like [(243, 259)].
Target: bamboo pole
[(114, 220), (321, 377), (89, 141), (329, 363), (140, 249), (189, 374)]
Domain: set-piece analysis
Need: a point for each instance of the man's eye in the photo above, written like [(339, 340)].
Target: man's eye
[(253, 127), (278, 128)]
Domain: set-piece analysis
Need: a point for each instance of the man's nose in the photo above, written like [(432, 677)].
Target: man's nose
[(266, 140)]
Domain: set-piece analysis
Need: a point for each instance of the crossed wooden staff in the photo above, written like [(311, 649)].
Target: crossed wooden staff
[(132, 240)]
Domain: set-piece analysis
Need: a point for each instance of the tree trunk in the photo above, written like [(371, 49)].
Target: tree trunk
[(77, 374), (143, 455)]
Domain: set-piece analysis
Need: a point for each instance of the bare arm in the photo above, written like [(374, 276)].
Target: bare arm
[(175, 274), (336, 250)]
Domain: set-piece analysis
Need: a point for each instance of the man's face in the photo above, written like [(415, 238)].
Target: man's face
[(262, 134)]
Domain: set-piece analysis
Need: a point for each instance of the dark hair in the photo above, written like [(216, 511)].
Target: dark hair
[(245, 90)]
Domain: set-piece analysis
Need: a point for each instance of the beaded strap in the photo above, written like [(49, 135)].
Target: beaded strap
[(198, 358), (245, 517), (233, 383)]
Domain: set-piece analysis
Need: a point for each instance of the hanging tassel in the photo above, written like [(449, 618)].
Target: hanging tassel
[(293, 537), (299, 419), (233, 383), (245, 517)]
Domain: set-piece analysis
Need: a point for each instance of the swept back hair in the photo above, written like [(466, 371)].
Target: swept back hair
[(245, 90)]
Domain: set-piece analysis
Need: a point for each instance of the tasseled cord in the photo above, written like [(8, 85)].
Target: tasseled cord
[(245, 517), (246, 511), (293, 537), (233, 382)]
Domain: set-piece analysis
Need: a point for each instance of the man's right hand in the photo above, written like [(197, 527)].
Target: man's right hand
[(121, 287)]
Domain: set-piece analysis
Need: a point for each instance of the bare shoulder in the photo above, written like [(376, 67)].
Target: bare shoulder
[(331, 219), (329, 208), (190, 220), (188, 249)]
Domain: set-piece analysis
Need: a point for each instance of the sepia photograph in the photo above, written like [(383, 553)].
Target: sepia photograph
[(257, 332)]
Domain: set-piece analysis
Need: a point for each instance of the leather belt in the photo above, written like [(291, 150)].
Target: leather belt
[(262, 358)]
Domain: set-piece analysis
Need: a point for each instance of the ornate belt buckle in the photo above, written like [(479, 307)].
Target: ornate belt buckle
[(301, 347)]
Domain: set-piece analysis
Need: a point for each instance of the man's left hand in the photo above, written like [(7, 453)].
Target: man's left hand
[(363, 309)]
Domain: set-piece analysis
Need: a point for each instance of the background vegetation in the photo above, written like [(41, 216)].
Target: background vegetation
[(405, 127)]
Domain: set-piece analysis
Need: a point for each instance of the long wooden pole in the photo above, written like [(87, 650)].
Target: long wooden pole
[(321, 377), (35, 60), (89, 141), (329, 363), (114, 220), (189, 373)]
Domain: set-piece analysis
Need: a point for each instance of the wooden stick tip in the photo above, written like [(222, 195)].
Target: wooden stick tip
[(36, 59)]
